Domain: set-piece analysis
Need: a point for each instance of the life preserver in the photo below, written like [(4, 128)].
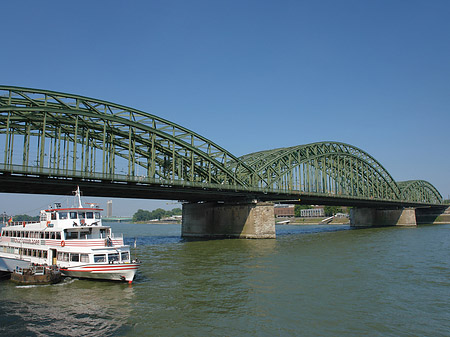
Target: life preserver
[(23, 224), (63, 243), (48, 223)]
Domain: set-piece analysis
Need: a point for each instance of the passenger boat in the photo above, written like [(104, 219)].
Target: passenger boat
[(73, 239)]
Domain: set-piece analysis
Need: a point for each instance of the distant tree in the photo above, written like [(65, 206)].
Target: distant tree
[(176, 211), (298, 209), (25, 217), (332, 210), (158, 213), (141, 215)]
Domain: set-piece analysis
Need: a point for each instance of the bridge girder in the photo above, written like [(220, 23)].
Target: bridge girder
[(47, 133), (420, 191), (326, 167), (64, 122)]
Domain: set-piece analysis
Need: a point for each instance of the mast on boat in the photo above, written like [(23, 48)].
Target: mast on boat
[(78, 196)]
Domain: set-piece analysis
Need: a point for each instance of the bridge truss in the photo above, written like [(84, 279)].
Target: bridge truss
[(62, 138)]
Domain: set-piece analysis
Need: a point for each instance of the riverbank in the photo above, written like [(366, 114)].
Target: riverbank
[(312, 221), (292, 221)]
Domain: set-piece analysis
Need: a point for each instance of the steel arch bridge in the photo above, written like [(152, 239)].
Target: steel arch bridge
[(52, 140)]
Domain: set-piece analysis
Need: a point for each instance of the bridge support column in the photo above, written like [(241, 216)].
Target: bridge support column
[(228, 220), (372, 217)]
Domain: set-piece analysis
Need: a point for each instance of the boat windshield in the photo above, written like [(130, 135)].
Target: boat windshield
[(62, 215)]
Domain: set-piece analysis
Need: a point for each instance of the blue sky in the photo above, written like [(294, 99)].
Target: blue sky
[(251, 75)]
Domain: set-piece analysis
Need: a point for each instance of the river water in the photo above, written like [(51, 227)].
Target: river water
[(310, 281)]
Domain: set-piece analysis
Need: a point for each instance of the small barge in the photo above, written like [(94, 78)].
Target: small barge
[(36, 275)]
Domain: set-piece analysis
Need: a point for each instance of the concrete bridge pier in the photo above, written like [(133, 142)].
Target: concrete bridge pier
[(373, 217), (248, 220)]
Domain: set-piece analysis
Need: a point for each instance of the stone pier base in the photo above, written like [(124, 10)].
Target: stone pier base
[(372, 217), (228, 220)]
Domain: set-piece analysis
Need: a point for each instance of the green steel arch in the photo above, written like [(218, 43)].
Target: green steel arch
[(69, 136), (69, 133), (324, 167), (420, 191)]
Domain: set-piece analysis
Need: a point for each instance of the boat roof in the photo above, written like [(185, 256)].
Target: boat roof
[(74, 209)]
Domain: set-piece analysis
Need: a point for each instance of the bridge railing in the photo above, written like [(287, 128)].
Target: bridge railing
[(144, 180)]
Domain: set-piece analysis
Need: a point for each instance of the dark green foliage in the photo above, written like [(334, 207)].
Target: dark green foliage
[(158, 213), (332, 210), (298, 208), (25, 217)]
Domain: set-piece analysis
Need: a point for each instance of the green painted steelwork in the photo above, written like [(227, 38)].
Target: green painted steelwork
[(326, 167), (69, 136), (420, 190)]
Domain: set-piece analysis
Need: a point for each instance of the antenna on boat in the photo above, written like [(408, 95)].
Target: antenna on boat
[(78, 196)]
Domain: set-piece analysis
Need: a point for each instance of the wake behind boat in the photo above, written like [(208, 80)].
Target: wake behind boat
[(73, 239)]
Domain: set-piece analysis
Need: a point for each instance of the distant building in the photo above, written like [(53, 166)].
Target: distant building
[(109, 209), (312, 212), (284, 211)]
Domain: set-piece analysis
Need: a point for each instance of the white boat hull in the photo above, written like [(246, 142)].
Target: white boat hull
[(114, 272)]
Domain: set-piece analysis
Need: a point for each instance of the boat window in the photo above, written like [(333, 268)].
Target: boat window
[(65, 256), (85, 234), (84, 257), (97, 215), (102, 233), (89, 215), (58, 236), (60, 256), (62, 215), (52, 235), (73, 215), (98, 258), (71, 235), (53, 215), (47, 235), (82, 215), (42, 235), (113, 257), (75, 257), (45, 254), (125, 257)]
